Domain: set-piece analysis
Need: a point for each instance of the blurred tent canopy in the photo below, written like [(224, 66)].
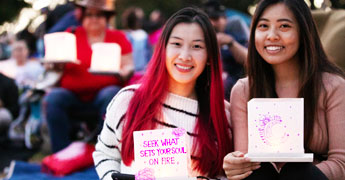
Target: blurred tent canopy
[(9, 9)]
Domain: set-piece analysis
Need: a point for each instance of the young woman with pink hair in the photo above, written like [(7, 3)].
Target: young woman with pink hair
[(181, 88)]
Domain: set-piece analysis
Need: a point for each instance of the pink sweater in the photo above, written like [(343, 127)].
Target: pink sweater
[(329, 131)]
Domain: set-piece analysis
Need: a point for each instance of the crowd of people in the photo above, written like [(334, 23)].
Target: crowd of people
[(196, 70)]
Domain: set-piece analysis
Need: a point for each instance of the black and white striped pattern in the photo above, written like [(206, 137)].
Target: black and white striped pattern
[(177, 112)]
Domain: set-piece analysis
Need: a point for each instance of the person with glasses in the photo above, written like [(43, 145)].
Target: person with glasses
[(182, 88), (79, 90)]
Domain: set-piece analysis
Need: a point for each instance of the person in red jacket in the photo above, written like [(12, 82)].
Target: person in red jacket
[(80, 90)]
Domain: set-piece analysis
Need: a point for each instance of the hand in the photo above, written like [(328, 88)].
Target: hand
[(223, 38), (127, 67), (236, 166), (125, 74), (54, 66)]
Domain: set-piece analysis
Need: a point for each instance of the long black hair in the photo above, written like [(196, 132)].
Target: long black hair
[(312, 61)]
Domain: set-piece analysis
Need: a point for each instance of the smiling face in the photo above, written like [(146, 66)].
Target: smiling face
[(94, 20), (277, 35), (186, 54)]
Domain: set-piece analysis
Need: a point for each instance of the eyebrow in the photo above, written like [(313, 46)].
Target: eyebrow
[(196, 40), (279, 20)]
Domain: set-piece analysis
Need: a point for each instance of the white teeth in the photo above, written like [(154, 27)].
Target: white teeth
[(184, 67), (273, 48)]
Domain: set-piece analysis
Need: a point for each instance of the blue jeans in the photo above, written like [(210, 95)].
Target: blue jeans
[(60, 102)]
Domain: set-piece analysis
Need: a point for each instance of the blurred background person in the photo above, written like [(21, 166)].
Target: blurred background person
[(6, 39), (26, 72), (154, 26), (132, 23), (19, 67), (232, 35), (19, 55), (9, 108), (29, 70), (71, 18), (79, 90), (57, 19)]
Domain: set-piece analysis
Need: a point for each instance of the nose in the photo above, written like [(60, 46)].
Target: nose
[(185, 55), (273, 35)]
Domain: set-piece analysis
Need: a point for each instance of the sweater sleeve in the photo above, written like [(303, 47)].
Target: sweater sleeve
[(238, 114), (107, 156), (334, 166)]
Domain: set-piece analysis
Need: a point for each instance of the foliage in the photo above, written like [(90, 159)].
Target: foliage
[(9, 9)]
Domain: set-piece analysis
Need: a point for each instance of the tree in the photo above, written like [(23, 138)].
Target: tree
[(9, 9)]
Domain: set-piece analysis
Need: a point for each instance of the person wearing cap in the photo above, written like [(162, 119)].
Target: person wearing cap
[(232, 36), (79, 90)]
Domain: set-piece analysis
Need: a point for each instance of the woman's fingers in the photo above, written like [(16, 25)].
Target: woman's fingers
[(54, 66), (244, 170), (235, 158), (237, 170), (233, 166), (237, 154), (236, 166)]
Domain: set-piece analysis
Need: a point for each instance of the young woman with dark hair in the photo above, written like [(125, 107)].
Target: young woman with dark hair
[(181, 88), (286, 60)]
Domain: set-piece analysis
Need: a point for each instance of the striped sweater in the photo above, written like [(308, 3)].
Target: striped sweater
[(178, 111)]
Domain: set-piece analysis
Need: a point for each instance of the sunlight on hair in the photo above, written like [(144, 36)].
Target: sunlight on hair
[(307, 2), (318, 3)]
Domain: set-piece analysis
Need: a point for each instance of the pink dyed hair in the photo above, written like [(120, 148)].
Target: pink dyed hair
[(213, 140)]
